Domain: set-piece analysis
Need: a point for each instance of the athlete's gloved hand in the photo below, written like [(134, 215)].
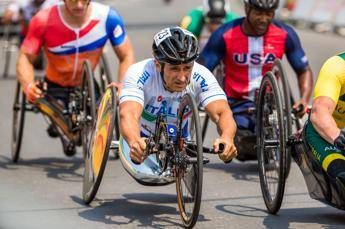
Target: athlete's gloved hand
[(32, 91), (339, 142)]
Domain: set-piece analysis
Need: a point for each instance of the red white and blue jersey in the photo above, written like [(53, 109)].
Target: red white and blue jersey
[(65, 47), (248, 58)]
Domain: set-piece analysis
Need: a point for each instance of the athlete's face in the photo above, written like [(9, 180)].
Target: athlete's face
[(77, 8), (177, 77), (260, 20)]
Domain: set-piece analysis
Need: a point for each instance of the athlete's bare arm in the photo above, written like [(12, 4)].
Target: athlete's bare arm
[(305, 84), (322, 119), (130, 113), (26, 76), (125, 54), (221, 115)]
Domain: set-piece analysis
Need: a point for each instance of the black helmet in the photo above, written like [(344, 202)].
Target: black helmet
[(216, 8), (263, 4), (175, 45)]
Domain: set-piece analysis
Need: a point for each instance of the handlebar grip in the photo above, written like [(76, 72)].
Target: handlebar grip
[(134, 162), (298, 109), (221, 148)]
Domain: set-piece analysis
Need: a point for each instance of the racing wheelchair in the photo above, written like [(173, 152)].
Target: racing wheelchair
[(174, 154), (276, 144), (73, 121)]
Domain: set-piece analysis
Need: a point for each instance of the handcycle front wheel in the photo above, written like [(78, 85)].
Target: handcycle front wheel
[(88, 105), (18, 120), (99, 145), (271, 143), (189, 170), (284, 87)]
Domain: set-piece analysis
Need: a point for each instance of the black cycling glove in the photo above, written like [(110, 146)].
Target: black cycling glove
[(339, 142)]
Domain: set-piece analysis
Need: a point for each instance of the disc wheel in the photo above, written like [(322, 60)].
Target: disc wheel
[(18, 120), (283, 86), (271, 144), (189, 169), (88, 105), (106, 77), (99, 145)]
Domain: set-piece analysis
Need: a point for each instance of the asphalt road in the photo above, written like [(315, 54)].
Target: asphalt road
[(44, 189)]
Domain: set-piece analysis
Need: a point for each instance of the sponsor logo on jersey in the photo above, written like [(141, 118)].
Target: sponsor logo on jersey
[(167, 106), (143, 78), (331, 148), (118, 31), (200, 79), (254, 58)]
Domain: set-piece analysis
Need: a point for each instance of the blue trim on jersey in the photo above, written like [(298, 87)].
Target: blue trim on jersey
[(293, 48), (92, 46), (114, 20), (215, 48), (131, 96), (202, 102)]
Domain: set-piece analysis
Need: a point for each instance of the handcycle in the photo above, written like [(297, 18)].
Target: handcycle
[(240, 108), (276, 144), (73, 121), (174, 154)]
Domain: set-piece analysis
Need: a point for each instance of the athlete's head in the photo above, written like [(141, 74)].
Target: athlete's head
[(175, 51), (77, 8), (215, 12), (259, 14)]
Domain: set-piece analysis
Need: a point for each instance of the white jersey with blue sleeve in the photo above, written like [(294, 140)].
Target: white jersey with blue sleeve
[(143, 84)]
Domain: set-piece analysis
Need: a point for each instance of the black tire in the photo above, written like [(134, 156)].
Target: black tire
[(18, 120), (284, 87), (88, 104), (96, 160), (271, 143), (105, 73), (189, 177), (204, 127)]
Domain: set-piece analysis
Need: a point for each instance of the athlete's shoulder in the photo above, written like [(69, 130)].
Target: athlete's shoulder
[(201, 69), (42, 17), (335, 64), (284, 26), (142, 69), (201, 74)]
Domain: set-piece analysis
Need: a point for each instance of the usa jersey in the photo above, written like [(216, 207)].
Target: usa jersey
[(66, 48), (248, 58), (143, 84)]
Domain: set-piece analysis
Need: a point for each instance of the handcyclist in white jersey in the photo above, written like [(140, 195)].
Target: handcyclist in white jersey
[(155, 86)]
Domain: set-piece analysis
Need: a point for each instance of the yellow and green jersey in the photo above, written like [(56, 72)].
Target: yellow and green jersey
[(331, 83)]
